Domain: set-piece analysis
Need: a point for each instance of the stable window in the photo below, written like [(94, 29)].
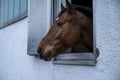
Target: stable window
[(78, 54), (42, 14), (12, 11)]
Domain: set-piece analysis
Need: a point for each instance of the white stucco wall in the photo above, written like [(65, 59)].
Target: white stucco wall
[(15, 64)]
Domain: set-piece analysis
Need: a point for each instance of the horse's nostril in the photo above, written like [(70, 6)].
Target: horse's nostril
[(41, 55), (47, 55), (39, 50)]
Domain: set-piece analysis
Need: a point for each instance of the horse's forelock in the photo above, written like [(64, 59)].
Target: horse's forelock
[(61, 12), (85, 10)]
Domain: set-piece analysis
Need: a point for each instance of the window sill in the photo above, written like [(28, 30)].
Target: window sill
[(86, 59)]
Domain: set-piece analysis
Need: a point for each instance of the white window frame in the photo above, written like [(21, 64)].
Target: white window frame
[(78, 58)]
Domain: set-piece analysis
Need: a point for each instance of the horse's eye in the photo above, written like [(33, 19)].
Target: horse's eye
[(60, 23)]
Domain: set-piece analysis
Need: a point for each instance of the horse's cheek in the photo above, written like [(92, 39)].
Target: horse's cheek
[(72, 39)]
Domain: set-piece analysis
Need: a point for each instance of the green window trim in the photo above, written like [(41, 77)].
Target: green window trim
[(12, 11)]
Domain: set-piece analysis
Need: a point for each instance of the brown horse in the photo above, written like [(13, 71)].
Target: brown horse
[(71, 27)]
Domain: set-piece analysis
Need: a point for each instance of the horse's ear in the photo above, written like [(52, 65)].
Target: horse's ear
[(69, 7), (62, 7)]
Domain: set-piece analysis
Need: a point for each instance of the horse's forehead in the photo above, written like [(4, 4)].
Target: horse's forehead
[(63, 16)]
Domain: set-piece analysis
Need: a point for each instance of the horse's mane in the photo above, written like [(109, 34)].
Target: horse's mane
[(83, 9)]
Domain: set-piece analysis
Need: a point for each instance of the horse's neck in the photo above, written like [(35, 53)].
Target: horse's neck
[(86, 27)]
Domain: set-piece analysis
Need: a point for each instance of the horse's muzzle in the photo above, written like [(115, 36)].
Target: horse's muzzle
[(46, 56)]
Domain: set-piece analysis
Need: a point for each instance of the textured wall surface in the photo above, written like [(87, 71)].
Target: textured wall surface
[(15, 64)]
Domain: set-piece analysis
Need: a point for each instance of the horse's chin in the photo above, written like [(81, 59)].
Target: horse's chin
[(48, 59)]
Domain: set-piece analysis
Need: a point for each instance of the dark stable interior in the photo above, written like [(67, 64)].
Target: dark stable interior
[(88, 3)]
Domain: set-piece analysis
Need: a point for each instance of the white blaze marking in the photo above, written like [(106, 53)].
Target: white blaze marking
[(57, 18)]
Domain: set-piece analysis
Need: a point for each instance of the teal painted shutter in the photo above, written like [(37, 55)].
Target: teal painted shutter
[(1, 13), (16, 8), (5, 11), (23, 7), (11, 6), (12, 10)]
